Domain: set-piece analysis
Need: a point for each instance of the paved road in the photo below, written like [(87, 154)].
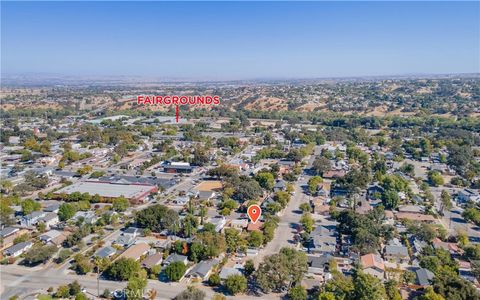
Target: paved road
[(290, 215), (22, 281)]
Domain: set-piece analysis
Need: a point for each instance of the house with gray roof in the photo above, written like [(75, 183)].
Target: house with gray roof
[(396, 253), (202, 270), (32, 218), (175, 258), (152, 260), (7, 231), (17, 249), (106, 252), (424, 277), (229, 271)]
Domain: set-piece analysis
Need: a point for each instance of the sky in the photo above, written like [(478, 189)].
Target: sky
[(240, 40)]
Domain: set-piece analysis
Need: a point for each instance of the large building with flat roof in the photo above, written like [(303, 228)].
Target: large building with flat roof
[(136, 193)]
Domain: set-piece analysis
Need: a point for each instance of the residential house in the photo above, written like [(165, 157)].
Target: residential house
[(202, 270), (17, 249), (219, 222), (424, 277), (255, 227), (332, 174), (320, 207), (175, 258), (136, 251), (468, 195), (238, 224), (88, 217), (228, 271), (106, 252), (323, 240), (49, 236), (124, 240), (373, 264), (280, 185), (452, 248), (8, 231), (53, 208), (51, 219), (318, 265), (375, 192), (132, 231), (152, 260), (396, 253), (32, 218), (206, 195), (465, 271)]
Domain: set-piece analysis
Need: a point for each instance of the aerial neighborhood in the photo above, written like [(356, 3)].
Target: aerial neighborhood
[(376, 198)]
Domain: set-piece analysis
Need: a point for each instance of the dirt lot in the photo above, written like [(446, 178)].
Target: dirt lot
[(210, 185)]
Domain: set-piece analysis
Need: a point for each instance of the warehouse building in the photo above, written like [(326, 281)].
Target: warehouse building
[(108, 191)]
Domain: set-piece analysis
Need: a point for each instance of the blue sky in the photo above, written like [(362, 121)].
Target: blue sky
[(240, 40)]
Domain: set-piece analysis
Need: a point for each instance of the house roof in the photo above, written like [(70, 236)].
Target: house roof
[(226, 271), (52, 207), (18, 247), (203, 268), (319, 261), (135, 251), (174, 258), (372, 261), (152, 260), (396, 250), (254, 227), (8, 231), (106, 252), (424, 276)]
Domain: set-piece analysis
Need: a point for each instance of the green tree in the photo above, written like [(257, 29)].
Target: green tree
[(391, 289), (249, 267), (175, 271), (282, 269), (430, 295), (63, 291), (266, 180), (236, 284), (136, 285), (29, 206), (120, 204), (307, 222), (446, 201), (390, 199), (297, 293), (305, 207), (39, 254), (321, 165), (435, 178), (191, 293), (368, 287), (66, 211), (123, 269), (214, 280), (189, 224), (313, 183), (157, 218), (255, 239)]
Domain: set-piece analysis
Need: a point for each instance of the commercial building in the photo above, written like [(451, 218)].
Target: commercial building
[(108, 191), (177, 167)]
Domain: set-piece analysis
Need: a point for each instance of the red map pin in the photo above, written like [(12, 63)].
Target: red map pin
[(254, 212)]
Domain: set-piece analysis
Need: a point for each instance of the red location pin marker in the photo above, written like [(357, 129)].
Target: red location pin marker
[(254, 212)]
